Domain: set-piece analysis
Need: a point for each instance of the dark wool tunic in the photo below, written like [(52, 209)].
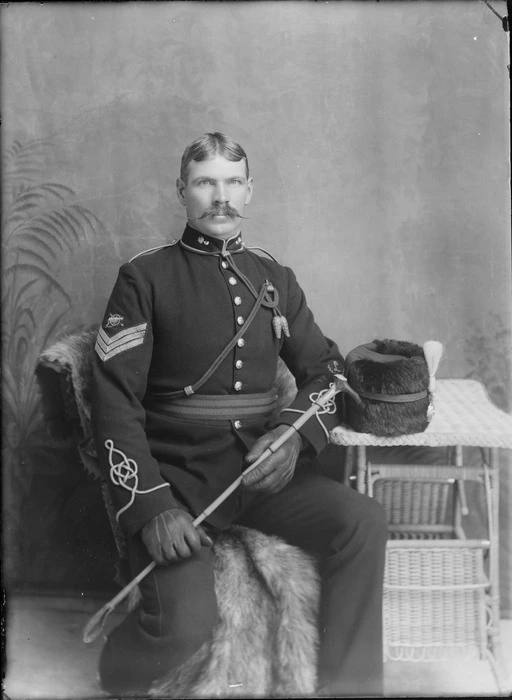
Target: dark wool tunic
[(171, 313)]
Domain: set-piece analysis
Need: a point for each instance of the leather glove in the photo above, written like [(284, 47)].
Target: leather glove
[(170, 536), (277, 470)]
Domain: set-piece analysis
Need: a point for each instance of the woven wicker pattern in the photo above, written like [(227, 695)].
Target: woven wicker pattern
[(413, 503), (434, 600), (464, 416), (436, 589), (441, 595), (420, 500)]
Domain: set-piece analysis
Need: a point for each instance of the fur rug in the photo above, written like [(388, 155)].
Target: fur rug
[(64, 376), (265, 642), (406, 376)]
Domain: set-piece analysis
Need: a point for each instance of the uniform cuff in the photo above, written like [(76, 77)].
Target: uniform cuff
[(311, 432), (145, 508)]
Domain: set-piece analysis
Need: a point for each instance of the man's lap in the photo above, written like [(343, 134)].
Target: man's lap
[(309, 511)]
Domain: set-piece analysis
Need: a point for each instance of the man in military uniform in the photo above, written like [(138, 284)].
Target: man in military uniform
[(184, 367)]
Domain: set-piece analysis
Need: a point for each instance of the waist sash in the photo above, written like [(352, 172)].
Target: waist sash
[(215, 407)]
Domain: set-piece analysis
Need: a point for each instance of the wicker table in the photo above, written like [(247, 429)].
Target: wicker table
[(441, 590)]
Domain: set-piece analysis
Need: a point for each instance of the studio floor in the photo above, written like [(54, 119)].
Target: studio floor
[(46, 657)]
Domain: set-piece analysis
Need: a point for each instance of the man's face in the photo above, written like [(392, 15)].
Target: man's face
[(214, 187)]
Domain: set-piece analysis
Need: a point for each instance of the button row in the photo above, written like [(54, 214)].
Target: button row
[(240, 342)]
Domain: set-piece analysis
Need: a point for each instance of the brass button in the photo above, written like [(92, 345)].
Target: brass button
[(238, 301), (240, 320), (224, 264), (232, 280), (238, 386), (240, 342), (238, 424), (239, 364)]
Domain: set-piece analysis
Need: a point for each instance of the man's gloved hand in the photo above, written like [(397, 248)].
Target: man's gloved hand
[(277, 470), (170, 536)]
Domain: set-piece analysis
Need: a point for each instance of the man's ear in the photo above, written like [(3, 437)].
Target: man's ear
[(250, 187), (180, 187)]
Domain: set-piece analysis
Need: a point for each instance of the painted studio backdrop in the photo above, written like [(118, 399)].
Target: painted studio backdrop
[(378, 138)]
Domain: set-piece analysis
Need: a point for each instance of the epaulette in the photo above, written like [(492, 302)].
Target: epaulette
[(153, 250), (256, 247)]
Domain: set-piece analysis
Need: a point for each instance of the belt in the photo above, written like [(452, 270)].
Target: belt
[(393, 398), (216, 406)]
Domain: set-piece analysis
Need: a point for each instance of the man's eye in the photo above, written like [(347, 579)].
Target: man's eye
[(236, 181), (204, 182)]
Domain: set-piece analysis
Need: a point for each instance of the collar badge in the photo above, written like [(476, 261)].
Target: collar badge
[(203, 241)]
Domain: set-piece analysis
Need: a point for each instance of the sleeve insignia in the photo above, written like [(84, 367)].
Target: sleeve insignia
[(110, 346), (114, 320)]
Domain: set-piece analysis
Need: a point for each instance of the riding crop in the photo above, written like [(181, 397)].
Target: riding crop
[(95, 625)]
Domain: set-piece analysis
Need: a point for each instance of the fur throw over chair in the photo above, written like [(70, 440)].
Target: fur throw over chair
[(265, 642)]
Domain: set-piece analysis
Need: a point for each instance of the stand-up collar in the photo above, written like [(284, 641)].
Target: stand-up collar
[(202, 243)]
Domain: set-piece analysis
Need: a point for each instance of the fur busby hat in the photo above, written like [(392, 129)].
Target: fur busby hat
[(395, 382)]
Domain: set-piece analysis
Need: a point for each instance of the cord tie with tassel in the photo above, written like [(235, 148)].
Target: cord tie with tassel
[(270, 299)]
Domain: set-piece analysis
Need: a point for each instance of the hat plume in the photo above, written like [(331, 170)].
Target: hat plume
[(433, 351)]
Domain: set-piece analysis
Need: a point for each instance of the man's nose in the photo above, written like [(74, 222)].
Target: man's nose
[(220, 193)]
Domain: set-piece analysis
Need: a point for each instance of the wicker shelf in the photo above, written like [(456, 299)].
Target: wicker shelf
[(441, 590), (436, 586), (435, 600)]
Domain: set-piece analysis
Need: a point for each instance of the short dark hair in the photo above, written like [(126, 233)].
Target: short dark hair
[(210, 145)]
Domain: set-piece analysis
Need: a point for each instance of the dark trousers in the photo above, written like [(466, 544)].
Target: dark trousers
[(345, 529)]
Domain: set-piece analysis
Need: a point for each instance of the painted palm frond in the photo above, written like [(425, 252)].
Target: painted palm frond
[(43, 226), (28, 200), (23, 164), (42, 275), (17, 149), (43, 222), (49, 208)]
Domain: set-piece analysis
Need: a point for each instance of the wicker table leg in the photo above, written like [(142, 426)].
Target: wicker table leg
[(348, 465), (494, 641), (361, 468)]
